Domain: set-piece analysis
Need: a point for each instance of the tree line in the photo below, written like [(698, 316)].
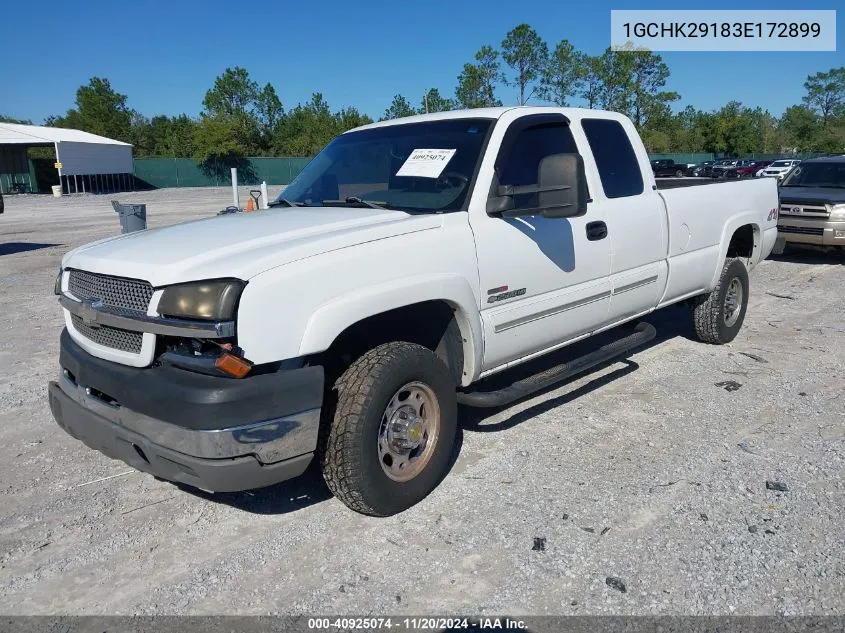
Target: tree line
[(240, 118)]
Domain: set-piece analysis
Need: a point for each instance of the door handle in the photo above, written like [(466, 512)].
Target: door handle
[(596, 231)]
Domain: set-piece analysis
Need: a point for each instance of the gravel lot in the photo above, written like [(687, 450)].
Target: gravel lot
[(645, 471)]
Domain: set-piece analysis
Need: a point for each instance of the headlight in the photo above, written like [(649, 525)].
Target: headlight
[(837, 212), (213, 300), (57, 285)]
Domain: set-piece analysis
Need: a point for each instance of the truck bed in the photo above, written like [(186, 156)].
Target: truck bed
[(698, 219), (690, 181)]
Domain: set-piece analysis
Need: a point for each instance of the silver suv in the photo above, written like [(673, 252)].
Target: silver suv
[(812, 203)]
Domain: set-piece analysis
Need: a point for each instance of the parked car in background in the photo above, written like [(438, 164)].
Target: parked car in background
[(668, 167), (812, 203), (701, 169), (733, 170), (749, 171), (721, 166), (2, 204), (745, 168), (779, 168)]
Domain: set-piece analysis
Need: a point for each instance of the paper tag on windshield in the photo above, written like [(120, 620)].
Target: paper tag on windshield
[(426, 163)]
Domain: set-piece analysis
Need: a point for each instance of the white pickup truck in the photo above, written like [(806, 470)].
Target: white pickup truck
[(410, 260)]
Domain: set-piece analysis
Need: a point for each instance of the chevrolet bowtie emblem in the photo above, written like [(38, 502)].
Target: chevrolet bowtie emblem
[(88, 312)]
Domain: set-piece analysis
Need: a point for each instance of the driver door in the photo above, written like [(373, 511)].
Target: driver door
[(543, 281)]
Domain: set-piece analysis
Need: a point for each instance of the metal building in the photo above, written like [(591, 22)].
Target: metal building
[(84, 162)]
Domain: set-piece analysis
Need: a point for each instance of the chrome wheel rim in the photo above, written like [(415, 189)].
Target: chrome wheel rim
[(733, 302), (408, 432)]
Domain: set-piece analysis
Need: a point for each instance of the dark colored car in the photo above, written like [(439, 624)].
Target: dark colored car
[(668, 167), (2, 204), (702, 169), (744, 168), (721, 168)]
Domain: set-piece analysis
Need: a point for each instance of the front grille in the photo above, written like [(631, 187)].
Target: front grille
[(805, 209), (123, 340), (115, 292), (803, 230)]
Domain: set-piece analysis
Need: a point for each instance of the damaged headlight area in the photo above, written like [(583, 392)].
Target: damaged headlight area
[(207, 357), (213, 300)]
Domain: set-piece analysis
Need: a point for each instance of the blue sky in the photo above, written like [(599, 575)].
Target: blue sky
[(165, 55)]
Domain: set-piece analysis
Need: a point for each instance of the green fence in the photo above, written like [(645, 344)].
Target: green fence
[(796, 156), (679, 157), (700, 157), (184, 172), (16, 172)]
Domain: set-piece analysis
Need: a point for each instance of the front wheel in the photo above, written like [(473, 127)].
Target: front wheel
[(392, 430), (718, 315)]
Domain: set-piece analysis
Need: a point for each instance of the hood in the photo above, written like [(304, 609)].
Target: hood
[(240, 245), (811, 195)]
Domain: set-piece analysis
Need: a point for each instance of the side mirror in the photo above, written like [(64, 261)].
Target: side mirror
[(562, 183), (561, 190)]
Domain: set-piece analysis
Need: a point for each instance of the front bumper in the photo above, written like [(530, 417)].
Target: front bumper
[(819, 231), (216, 434)]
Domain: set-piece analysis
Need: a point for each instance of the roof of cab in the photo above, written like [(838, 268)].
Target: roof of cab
[(491, 113)]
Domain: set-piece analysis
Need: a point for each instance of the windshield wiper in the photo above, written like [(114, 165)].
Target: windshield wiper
[(356, 200), (278, 202)]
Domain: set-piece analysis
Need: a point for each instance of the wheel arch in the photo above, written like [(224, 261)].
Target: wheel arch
[(742, 239), (409, 308)]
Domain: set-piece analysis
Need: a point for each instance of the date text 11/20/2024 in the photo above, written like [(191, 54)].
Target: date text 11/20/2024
[(415, 624)]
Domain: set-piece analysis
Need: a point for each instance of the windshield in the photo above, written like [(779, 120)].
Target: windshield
[(781, 163), (827, 175), (419, 167)]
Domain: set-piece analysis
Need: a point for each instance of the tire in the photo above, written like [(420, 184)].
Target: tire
[(356, 455), (679, 173), (713, 321)]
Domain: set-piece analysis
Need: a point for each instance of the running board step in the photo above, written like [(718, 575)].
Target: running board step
[(642, 334)]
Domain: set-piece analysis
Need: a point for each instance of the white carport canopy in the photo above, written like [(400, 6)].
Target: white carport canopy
[(80, 153)]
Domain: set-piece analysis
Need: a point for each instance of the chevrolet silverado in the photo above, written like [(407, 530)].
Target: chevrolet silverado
[(410, 260)]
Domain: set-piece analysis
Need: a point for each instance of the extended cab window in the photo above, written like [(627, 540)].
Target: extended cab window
[(616, 161), (519, 163)]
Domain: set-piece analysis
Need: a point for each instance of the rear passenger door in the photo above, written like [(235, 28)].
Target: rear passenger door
[(637, 224)]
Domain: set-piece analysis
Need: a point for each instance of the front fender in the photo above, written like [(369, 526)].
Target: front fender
[(328, 321)]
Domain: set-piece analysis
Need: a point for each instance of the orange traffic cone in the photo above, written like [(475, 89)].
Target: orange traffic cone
[(249, 205)]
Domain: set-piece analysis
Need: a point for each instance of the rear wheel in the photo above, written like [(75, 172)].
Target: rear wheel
[(392, 431), (718, 316), (679, 173)]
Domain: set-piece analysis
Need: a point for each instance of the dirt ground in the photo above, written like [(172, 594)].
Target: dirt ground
[(637, 489)]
